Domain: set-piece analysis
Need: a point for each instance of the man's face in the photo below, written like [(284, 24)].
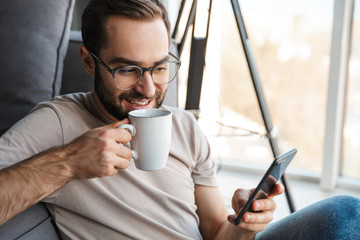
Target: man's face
[(131, 43)]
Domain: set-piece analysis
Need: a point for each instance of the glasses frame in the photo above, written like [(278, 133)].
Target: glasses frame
[(142, 70)]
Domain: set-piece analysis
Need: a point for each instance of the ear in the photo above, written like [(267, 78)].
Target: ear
[(87, 60)]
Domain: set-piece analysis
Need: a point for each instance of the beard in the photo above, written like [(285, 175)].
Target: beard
[(113, 105)]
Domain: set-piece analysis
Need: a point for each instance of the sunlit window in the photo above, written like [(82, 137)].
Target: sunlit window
[(351, 134), (291, 44)]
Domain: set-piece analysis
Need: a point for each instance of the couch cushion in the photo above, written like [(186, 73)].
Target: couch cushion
[(75, 77), (33, 223), (33, 44)]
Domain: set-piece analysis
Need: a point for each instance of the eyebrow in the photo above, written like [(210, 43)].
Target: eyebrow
[(137, 63)]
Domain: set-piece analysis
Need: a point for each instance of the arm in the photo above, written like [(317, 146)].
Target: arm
[(94, 154), (26, 183), (215, 222)]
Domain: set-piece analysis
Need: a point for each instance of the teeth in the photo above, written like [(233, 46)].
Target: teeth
[(140, 103)]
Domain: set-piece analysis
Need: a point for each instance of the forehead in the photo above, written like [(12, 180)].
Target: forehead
[(138, 40)]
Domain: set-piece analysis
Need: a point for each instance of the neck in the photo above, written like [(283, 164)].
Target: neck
[(101, 106)]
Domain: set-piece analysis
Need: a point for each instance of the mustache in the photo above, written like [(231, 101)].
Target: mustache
[(134, 95)]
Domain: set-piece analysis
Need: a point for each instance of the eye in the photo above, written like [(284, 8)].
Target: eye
[(162, 67), (128, 71)]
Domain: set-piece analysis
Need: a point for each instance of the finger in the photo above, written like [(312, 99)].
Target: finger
[(123, 158), (111, 167), (267, 204), (124, 152), (252, 222), (263, 217), (121, 163), (278, 190), (240, 198), (118, 161), (112, 131), (231, 218), (117, 135), (252, 227), (117, 124), (122, 135)]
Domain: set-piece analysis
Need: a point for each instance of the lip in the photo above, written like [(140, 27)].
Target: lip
[(136, 107)]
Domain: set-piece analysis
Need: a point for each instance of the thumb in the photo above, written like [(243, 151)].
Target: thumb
[(117, 124)]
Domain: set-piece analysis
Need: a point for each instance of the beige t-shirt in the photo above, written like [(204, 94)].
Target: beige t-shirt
[(133, 204)]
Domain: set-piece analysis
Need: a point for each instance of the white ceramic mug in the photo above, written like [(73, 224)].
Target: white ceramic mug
[(151, 131)]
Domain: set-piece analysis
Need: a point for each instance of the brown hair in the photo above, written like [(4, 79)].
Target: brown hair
[(97, 12)]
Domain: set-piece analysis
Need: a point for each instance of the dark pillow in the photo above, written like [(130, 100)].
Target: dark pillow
[(33, 44), (34, 223), (75, 78)]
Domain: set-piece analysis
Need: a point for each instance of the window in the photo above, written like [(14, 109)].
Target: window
[(291, 44), (350, 166)]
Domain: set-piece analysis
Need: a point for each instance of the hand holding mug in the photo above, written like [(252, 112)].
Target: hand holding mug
[(99, 152)]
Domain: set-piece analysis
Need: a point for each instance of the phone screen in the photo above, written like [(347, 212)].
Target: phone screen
[(268, 182)]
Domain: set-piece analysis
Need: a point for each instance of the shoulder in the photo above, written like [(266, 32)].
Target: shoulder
[(180, 115), (74, 112), (38, 131), (69, 101), (185, 130), (70, 108)]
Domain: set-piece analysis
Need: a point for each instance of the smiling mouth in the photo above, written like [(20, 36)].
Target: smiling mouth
[(139, 103)]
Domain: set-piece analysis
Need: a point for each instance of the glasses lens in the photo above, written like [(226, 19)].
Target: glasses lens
[(165, 72), (127, 77)]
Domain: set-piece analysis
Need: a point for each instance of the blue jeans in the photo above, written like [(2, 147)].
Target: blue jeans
[(334, 218)]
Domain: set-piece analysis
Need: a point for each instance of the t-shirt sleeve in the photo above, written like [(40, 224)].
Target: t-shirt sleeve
[(37, 132), (204, 172), (193, 148)]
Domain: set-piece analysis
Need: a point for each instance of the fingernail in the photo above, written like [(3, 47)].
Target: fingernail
[(231, 218), (247, 217)]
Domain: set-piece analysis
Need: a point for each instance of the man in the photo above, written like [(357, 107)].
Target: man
[(70, 154)]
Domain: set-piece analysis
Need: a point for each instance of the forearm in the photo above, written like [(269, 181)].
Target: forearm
[(228, 231), (29, 181), (213, 216)]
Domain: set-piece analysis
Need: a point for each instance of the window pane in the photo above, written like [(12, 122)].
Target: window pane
[(351, 132), (291, 45)]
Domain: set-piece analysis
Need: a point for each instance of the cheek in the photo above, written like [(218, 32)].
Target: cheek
[(111, 89), (162, 89), (108, 82)]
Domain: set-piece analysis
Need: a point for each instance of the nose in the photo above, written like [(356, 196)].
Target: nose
[(146, 85)]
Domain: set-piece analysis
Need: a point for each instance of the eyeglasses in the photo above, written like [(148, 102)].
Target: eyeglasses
[(127, 77)]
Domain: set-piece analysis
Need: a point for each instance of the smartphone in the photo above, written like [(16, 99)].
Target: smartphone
[(268, 182)]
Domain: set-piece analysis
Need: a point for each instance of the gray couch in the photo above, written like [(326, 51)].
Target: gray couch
[(33, 45), (39, 60)]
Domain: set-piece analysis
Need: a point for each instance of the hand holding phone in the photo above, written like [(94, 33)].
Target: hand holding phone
[(268, 182)]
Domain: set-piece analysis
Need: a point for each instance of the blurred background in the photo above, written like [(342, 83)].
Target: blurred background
[(292, 44)]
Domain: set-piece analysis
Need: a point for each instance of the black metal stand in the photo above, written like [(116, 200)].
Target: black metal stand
[(196, 70)]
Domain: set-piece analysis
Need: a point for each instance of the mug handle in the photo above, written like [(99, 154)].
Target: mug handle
[(132, 130), (134, 155)]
